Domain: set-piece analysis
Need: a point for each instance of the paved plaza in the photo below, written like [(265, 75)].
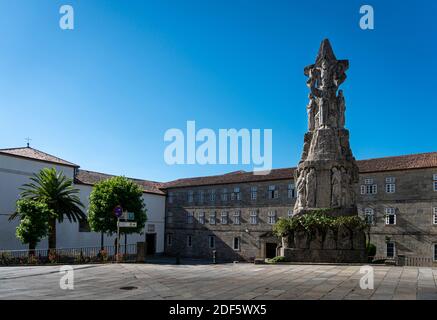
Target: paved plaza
[(222, 281)]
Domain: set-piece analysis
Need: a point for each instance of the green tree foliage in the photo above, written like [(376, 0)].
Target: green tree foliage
[(34, 221), (108, 194), (57, 191)]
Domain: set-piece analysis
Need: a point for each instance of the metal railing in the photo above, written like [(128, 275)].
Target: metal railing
[(404, 260), (80, 255)]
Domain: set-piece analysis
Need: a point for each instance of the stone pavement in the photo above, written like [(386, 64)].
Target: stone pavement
[(222, 281)]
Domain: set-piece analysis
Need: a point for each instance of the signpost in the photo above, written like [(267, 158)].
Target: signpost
[(127, 223)]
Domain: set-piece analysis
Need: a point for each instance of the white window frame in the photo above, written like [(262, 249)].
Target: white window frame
[(291, 191), (201, 196), (368, 181), (273, 192), (237, 193), (237, 217), (390, 188), (388, 213), (253, 217), (201, 217), (434, 215), (271, 217), (212, 196), (211, 242), (369, 212), (238, 243), (224, 217), (190, 217), (225, 194), (190, 196), (369, 189), (253, 193), (394, 249), (189, 241), (212, 218)]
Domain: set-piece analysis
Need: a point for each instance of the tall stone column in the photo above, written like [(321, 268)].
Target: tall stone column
[(327, 172)]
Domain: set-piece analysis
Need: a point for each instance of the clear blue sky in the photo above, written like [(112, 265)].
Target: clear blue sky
[(103, 95)]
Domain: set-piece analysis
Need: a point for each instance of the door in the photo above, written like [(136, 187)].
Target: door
[(150, 243), (271, 250)]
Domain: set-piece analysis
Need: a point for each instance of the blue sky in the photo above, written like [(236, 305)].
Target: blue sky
[(103, 95)]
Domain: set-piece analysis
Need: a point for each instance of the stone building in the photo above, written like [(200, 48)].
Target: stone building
[(233, 213)]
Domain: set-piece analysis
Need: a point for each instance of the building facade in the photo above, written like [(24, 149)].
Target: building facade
[(232, 215)]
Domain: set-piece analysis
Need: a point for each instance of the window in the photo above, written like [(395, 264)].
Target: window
[(189, 241), (253, 217), (271, 217), (237, 215), (435, 251), (434, 177), (201, 196), (84, 226), (201, 217), (150, 228), (291, 191), (225, 195), (369, 189), (236, 244), (236, 194), (390, 186), (290, 213), (369, 216), (368, 181), (224, 218), (169, 239), (212, 218), (170, 197), (273, 192), (212, 195), (169, 217), (211, 242), (190, 217), (390, 216), (434, 215), (253, 193), (190, 196), (390, 249)]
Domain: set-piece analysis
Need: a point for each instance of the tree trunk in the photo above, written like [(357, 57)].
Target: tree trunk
[(32, 246), (52, 233)]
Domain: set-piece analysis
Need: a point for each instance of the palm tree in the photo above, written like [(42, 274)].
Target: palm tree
[(57, 191)]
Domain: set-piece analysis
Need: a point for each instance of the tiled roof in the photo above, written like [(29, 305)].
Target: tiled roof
[(91, 178), (35, 154), (406, 162)]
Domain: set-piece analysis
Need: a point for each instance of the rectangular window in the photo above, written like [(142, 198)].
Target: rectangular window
[(368, 216), (390, 180), (236, 244), (190, 217), (253, 193), (237, 215), (170, 197), (169, 239), (253, 217), (150, 228), (434, 215), (291, 191), (390, 249), (224, 217), (201, 217), (211, 242), (212, 218), (169, 217), (225, 195), (390, 216), (201, 196), (273, 192), (434, 177), (390, 188), (84, 226), (189, 241), (237, 194), (368, 181), (435, 252), (369, 189), (212, 195), (271, 217), (190, 196)]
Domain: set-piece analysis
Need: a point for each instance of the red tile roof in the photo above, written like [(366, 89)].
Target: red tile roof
[(91, 178), (34, 154), (406, 162)]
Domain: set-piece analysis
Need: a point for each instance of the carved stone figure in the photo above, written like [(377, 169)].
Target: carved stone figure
[(300, 187), (311, 109), (341, 109), (336, 194), (311, 185)]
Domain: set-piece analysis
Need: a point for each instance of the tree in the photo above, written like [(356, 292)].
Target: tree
[(34, 222), (108, 194), (57, 192)]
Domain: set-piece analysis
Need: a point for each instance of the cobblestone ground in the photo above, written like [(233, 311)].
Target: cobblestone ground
[(223, 281)]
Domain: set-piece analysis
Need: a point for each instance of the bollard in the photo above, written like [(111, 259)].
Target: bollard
[(178, 258), (214, 252)]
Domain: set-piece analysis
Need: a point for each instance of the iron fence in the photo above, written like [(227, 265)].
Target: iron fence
[(81, 255)]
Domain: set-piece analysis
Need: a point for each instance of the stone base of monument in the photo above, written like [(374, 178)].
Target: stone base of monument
[(344, 246)]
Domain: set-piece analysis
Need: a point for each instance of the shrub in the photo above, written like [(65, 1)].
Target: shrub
[(370, 249), (277, 259)]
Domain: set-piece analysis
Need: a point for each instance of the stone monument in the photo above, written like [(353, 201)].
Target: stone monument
[(327, 172)]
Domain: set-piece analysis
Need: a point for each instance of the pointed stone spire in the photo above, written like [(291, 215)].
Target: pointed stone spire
[(325, 52)]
